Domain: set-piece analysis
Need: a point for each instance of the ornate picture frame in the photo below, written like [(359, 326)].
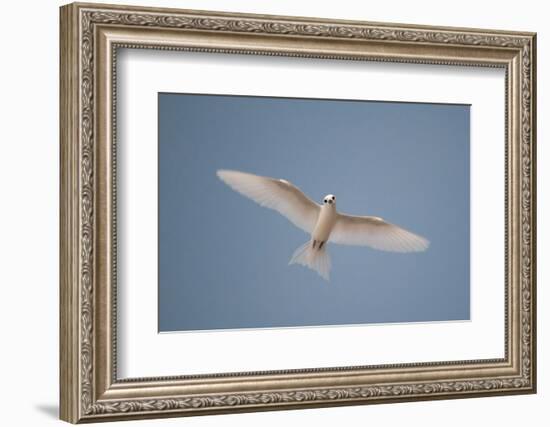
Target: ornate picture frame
[(90, 37)]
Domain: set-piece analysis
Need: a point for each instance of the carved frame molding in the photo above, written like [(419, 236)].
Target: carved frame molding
[(90, 36)]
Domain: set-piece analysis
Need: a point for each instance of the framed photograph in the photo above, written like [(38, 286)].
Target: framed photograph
[(266, 212)]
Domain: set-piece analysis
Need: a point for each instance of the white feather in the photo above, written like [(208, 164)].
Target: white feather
[(376, 233), (288, 200), (316, 259), (276, 194)]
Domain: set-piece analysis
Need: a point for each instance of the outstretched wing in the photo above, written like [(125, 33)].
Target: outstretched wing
[(376, 233), (276, 194)]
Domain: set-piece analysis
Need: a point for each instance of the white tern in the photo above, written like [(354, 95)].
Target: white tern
[(323, 222)]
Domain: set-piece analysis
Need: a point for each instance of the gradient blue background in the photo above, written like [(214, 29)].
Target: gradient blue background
[(223, 259)]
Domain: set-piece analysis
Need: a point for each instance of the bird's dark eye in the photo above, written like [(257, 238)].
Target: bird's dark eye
[(333, 198), (324, 201)]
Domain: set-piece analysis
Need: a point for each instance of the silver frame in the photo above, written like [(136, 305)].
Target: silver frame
[(90, 37)]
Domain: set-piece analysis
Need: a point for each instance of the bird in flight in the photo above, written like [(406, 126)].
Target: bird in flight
[(323, 222)]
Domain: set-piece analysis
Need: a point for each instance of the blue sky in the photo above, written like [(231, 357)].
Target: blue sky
[(223, 260)]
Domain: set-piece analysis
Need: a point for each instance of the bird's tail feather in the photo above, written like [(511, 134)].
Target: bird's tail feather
[(316, 259)]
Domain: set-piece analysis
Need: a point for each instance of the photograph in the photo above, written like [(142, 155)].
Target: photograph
[(291, 212)]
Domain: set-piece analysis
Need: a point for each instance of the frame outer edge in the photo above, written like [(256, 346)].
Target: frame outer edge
[(69, 354), (305, 19), (533, 112), (77, 225)]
